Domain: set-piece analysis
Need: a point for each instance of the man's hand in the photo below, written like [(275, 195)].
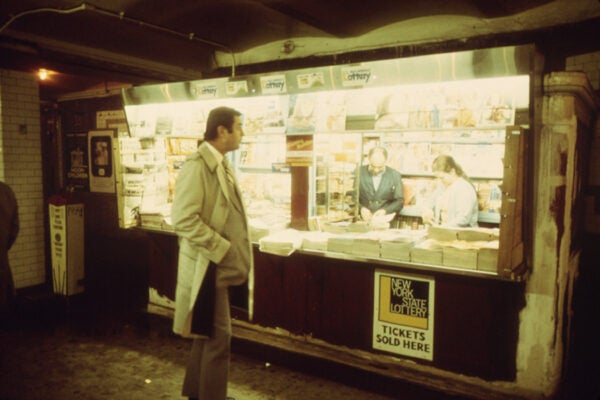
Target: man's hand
[(379, 213), (365, 214), (427, 215)]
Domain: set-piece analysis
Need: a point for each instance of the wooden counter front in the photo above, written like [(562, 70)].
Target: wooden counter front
[(329, 299)]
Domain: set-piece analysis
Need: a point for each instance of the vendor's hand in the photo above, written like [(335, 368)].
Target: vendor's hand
[(427, 215), (379, 213), (365, 214)]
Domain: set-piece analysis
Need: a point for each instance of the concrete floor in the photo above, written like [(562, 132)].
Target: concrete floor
[(56, 353), (102, 347)]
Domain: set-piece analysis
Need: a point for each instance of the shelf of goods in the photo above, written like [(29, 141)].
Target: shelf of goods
[(479, 150)]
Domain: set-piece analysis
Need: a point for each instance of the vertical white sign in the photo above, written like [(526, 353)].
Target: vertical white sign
[(403, 314), (58, 240), (67, 251)]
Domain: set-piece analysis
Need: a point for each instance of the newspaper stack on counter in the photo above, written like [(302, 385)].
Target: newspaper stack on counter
[(281, 243), (466, 248), (399, 242), (315, 240)]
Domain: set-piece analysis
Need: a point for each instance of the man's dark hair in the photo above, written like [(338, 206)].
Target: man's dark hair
[(219, 116)]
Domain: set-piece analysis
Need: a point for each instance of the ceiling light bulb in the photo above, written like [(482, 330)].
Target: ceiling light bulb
[(43, 74)]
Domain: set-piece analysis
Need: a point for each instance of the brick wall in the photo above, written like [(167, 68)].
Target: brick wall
[(588, 63), (21, 168)]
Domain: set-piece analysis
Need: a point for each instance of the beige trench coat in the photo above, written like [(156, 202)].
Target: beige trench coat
[(200, 209)]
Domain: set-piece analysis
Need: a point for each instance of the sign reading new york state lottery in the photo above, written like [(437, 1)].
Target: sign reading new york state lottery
[(403, 314)]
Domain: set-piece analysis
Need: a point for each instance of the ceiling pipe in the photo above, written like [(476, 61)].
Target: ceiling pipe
[(121, 16), (12, 19)]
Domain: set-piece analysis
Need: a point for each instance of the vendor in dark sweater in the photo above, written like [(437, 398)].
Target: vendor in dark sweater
[(381, 191)]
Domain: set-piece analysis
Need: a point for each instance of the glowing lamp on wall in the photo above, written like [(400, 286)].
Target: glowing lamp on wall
[(43, 74)]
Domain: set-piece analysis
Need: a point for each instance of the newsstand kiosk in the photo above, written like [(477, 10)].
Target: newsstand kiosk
[(481, 312)]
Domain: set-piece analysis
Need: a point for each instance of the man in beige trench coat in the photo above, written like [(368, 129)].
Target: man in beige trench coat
[(214, 253)]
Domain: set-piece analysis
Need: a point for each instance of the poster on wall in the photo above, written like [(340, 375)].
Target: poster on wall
[(403, 314), (76, 161), (101, 164), (112, 119)]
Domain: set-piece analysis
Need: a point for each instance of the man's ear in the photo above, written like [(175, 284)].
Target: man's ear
[(221, 130)]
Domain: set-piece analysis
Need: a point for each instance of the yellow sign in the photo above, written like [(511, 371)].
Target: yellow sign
[(403, 314)]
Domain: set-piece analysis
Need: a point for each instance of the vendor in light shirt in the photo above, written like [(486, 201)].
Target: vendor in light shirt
[(454, 204)]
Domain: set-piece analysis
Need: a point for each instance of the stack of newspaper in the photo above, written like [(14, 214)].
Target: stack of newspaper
[(282, 243)]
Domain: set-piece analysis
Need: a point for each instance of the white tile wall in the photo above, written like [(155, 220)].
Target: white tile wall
[(21, 168)]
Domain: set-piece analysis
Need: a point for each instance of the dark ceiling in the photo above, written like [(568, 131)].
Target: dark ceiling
[(138, 41)]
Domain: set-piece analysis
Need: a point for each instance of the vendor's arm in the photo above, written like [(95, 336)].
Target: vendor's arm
[(429, 203), (396, 202)]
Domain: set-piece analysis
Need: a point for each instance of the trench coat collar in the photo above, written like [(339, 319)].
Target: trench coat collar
[(213, 161), (209, 153)]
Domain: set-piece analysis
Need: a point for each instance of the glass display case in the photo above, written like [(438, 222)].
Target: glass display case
[(264, 179), (337, 159), (307, 133)]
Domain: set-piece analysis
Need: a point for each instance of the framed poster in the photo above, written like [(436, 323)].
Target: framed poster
[(101, 163), (403, 314), (76, 160)]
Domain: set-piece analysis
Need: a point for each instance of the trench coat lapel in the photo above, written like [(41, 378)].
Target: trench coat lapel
[(215, 166)]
